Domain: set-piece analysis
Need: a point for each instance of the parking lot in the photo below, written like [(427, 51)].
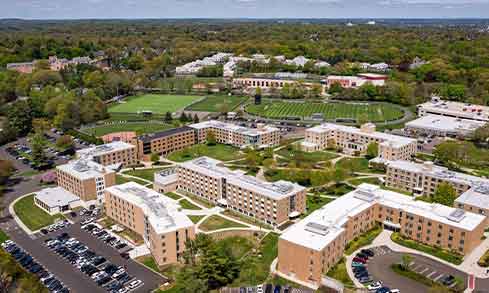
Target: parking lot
[(379, 267), (72, 276)]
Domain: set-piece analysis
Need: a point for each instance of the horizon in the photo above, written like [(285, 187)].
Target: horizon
[(243, 9)]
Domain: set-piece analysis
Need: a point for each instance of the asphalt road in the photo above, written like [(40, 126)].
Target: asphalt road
[(379, 268)]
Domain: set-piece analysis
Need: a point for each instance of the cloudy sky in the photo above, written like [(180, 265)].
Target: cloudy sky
[(59, 9)]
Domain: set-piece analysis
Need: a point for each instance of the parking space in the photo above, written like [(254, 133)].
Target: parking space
[(266, 288), (379, 268), (32, 265)]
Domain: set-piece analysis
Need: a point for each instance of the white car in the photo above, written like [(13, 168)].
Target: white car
[(259, 289), (134, 284), (374, 286), (394, 291)]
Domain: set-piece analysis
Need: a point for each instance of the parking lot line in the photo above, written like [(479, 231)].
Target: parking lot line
[(411, 264), (431, 274), (439, 277), (423, 271)]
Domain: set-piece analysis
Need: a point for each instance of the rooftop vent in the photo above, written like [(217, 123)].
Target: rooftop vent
[(317, 228), (457, 215)]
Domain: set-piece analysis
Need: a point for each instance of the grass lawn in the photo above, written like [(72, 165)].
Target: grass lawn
[(293, 154), (194, 218), (215, 222), (185, 204), (120, 180), (362, 240), (220, 152), (173, 195), (372, 180), (354, 165), (148, 261), (158, 104), (3, 237), (246, 219), (201, 201), (449, 256), (315, 202), (336, 190), (302, 177), (214, 103), (484, 260), (138, 127), (374, 112), (147, 174), (28, 173), (32, 216), (340, 273), (235, 245), (256, 266)]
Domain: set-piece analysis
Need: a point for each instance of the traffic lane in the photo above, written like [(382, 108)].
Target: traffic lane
[(151, 280), (75, 280), (380, 269)]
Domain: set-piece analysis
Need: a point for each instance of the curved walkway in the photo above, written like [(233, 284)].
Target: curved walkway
[(16, 218)]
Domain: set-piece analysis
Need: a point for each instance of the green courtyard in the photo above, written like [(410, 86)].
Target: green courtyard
[(32, 216)]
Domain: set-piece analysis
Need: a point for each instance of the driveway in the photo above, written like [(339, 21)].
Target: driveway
[(380, 268)]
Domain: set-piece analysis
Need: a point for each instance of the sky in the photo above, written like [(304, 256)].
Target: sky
[(78, 9)]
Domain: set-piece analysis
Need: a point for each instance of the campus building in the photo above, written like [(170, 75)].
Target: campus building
[(155, 217), (115, 154), (86, 179), (22, 67), (55, 200), (273, 83), (310, 248), (273, 203), (423, 179), (227, 133), (438, 106), (354, 140), (356, 81), (164, 142), (438, 125)]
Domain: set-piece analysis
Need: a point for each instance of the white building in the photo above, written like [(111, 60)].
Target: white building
[(55, 200), (438, 125), (438, 106)]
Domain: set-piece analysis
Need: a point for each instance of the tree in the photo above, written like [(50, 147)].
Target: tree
[(211, 138), (406, 261), (481, 134), (183, 117), (372, 150), (196, 118), (155, 157), (38, 144), (445, 194), (19, 117), (6, 170), (64, 142), (168, 117)]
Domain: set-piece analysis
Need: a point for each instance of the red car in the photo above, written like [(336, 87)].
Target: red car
[(359, 259)]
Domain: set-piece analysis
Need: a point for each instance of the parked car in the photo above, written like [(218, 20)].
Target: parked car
[(374, 286), (368, 252)]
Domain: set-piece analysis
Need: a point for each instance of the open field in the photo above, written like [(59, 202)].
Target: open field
[(221, 152), (138, 127), (32, 216), (158, 104), (215, 222), (364, 111), (215, 103)]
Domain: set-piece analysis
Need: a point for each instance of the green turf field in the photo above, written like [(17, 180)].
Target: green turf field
[(214, 103), (158, 104), (139, 128), (330, 111)]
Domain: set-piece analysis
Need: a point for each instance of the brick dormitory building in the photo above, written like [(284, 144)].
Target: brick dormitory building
[(168, 141), (156, 218), (273, 203), (356, 140), (311, 247)]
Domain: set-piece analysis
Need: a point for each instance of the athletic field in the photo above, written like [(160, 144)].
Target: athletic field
[(158, 104), (215, 103), (138, 127), (374, 112)]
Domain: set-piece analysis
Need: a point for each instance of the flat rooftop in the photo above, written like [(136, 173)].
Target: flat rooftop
[(105, 149), (162, 212), (211, 167), (476, 112), (324, 225), (56, 196), (153, 136), (395, 140), (234, 128), (84, 169), (445, 123)]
